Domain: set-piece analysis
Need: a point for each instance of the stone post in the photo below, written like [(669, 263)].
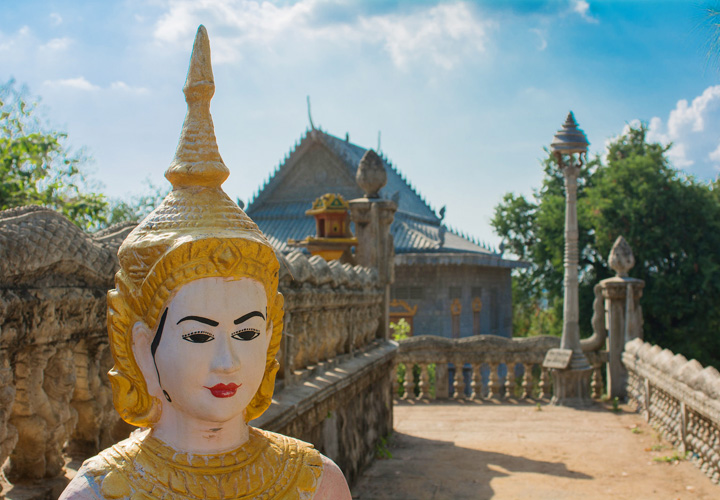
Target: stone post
[(373, 216), (623, 315), (571, 382)]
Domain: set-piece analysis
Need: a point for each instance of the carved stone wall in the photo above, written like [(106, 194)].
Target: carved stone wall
[(680, 398), (55, 398)]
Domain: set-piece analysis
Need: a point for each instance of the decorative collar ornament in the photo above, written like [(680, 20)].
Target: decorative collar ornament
[(267, 466)]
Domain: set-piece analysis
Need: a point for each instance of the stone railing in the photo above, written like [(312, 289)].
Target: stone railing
[(55, 397), (680, 398), (491, 367)]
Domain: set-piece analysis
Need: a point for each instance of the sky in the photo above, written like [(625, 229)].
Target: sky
[(461, 96)]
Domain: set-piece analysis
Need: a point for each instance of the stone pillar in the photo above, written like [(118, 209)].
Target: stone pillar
[(373, 216), (623, 315), (571, 383)]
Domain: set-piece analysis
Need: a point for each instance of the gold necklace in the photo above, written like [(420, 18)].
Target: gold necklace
[(268, 466)]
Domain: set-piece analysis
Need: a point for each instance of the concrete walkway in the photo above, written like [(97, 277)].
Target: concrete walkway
[(483, 450)]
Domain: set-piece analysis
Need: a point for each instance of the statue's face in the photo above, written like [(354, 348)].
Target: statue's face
[(210, 355)]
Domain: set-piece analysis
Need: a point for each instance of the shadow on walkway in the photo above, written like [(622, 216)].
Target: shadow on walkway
[(425, 469)]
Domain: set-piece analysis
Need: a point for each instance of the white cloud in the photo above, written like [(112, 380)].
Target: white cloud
[(442, 35), (582, 8), (445, 34), (57, 44), (542, 38), (79, 83), (56, 18), (693, 128), (124, 87)]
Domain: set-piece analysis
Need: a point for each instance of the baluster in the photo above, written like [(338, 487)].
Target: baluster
[(458, 385), (527, 382), (493, 381), (510, 380), (394, 378), (545, 384), (424, 384), (596, 383), (409, 383), (476, 384)]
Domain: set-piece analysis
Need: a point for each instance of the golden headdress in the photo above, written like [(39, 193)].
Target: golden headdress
[(196, 232)]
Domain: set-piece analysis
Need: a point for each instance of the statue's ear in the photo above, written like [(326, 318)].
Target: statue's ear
[(142, 342)]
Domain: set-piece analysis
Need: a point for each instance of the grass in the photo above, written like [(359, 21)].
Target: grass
[(381, 448), (669, 459)]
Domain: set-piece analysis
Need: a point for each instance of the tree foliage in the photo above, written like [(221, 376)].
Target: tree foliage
[(37, 168), (671, 221)]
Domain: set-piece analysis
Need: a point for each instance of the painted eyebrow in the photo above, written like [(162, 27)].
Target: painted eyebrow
[(247, 316), (199, 319)]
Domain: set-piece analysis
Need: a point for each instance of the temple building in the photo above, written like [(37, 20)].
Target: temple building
[(445, 284)]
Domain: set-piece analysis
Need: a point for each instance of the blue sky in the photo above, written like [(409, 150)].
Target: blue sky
[(465, 94)]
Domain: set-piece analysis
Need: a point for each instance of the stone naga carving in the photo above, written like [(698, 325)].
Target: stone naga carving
[(195, 322)]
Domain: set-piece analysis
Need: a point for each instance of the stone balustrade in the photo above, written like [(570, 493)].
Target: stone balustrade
[(55, 397), (680, 398), (491, 367)]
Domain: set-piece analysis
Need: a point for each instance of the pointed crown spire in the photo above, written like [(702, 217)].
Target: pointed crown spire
[(570, 139), (197, 160)]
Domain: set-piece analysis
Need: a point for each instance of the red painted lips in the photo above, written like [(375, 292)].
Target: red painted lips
[(223, 390)]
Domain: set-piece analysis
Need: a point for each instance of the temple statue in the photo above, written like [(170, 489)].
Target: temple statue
[(194, 322)]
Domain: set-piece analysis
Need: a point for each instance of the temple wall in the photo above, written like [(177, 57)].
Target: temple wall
[(55, 398), (433, 288)]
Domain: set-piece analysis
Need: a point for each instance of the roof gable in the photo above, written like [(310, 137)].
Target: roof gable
[(322, 163)]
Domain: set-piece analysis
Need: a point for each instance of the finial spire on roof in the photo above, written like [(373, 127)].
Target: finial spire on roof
[(197, 160), (312, 125)]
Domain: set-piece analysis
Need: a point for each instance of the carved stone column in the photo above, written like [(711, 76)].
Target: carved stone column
[(571, 382), (8, 432), (623, 315), (27, 460), (373, 216), (59, 384)]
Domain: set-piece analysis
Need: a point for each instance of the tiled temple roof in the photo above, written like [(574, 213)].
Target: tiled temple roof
[(416, 228)]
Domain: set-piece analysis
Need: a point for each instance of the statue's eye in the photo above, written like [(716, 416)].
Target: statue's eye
[(247, 334), (198, 337)]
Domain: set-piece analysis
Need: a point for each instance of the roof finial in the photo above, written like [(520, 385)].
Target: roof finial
[(197, 160), (312, 125)]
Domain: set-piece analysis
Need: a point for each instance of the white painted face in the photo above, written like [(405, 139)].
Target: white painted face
[(210, 357)]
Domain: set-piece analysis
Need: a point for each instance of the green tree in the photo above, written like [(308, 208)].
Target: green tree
[(136, 207), (37, 168), (671, 221)]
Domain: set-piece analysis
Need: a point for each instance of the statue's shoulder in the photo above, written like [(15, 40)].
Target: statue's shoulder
[(328, 481), (298, 465), (286, 444), (101, 477)]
